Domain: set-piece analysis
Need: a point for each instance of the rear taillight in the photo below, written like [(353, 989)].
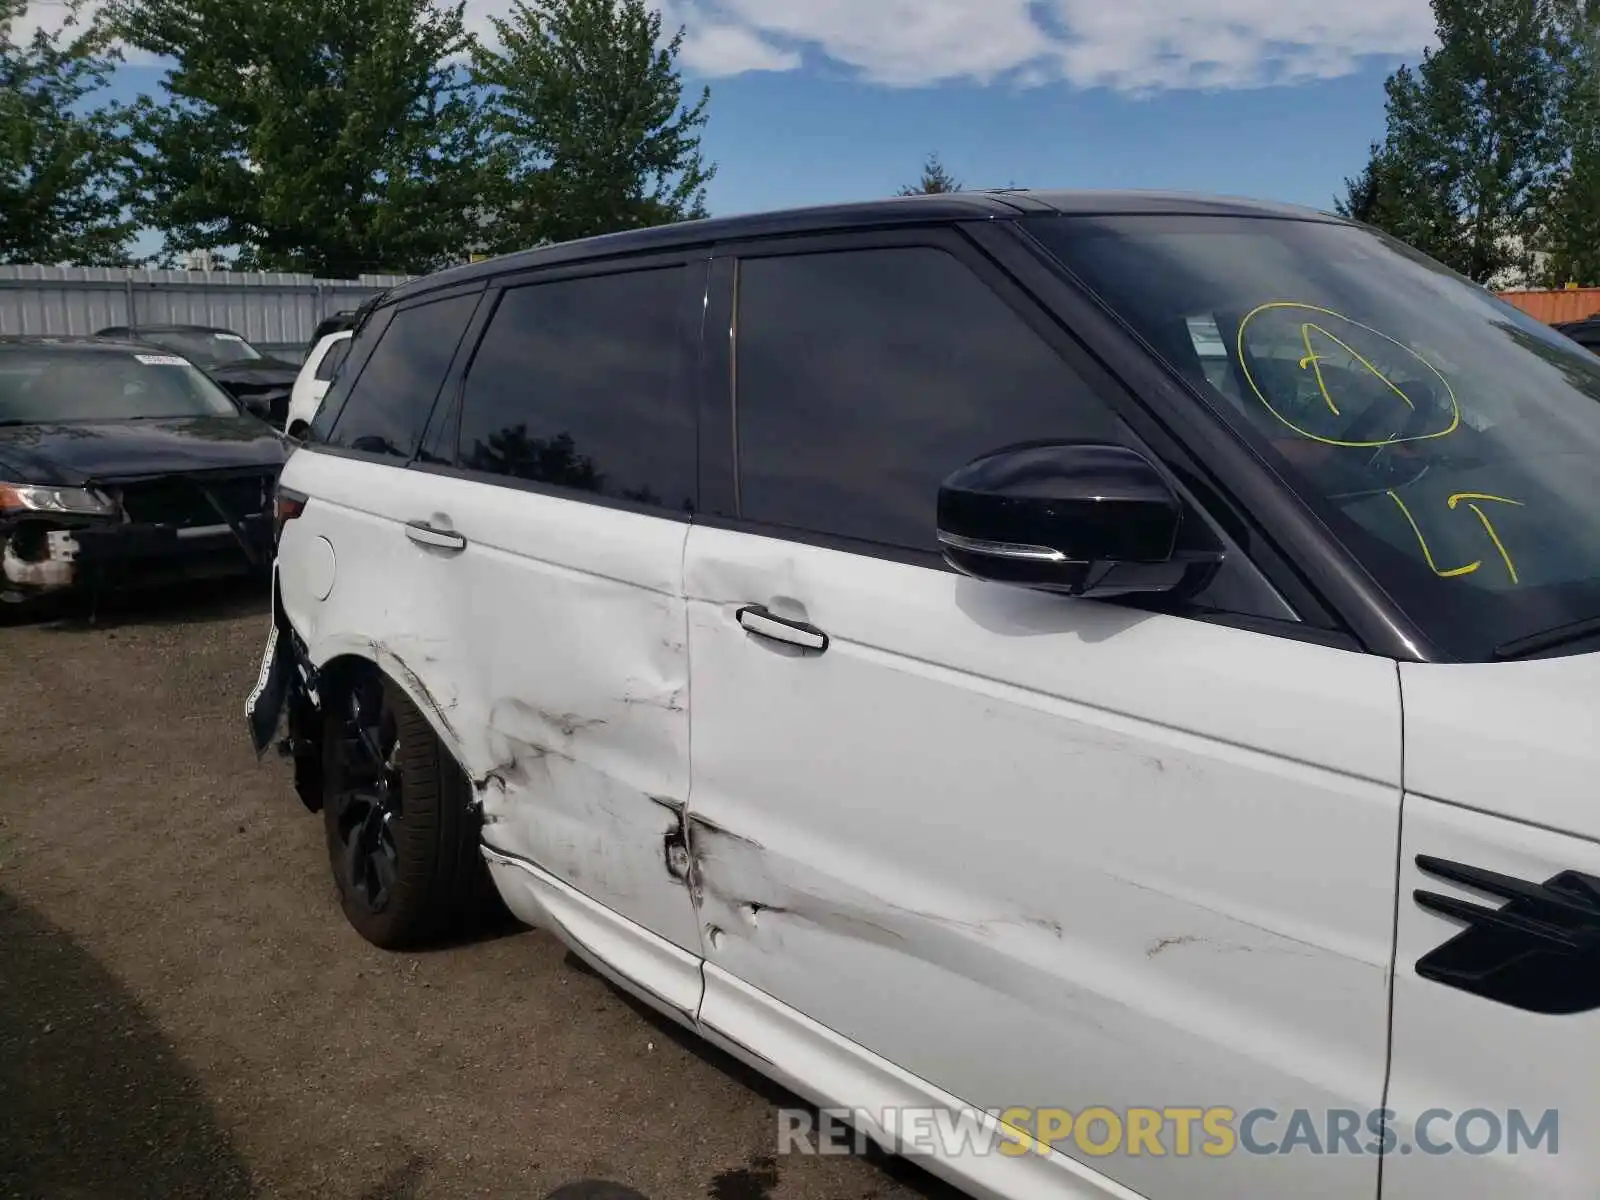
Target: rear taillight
[(286, 506)]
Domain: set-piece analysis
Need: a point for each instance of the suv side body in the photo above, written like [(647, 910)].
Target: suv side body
[(643, 528)]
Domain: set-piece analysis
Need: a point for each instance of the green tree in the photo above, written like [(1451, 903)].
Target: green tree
[(935, 180), (590, 123), (1471, 142), (332, 136), (1569, 230), (59, 180), (1366, 195)]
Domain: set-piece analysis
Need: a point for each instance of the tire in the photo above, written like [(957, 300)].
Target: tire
[(400, 823)]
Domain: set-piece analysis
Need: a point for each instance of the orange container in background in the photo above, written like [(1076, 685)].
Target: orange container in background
[(1556, 307)]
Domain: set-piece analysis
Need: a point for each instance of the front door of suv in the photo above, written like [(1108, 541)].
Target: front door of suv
[(962, 843)]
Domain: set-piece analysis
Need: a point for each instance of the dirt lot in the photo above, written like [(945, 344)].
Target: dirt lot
[(183, 1011)]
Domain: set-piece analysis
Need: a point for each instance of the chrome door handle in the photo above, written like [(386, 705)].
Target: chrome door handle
[(756, 619), (425, 534)]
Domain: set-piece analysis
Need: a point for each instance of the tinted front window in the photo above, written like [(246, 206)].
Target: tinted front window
[(1453, 442), (39, 387), (573, 386), (867, 377), (388, 406)]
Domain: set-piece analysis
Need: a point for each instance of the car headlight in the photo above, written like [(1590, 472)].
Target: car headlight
[(84, 502)]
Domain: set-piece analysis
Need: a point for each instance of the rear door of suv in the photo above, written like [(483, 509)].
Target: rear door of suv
[(350, 578), (962, 843), (556, 485)]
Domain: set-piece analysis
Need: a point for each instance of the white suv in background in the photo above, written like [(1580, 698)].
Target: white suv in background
[(311, 384), (1115, 673)]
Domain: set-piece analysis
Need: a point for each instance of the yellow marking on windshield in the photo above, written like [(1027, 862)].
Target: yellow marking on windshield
[(1470, 498), (1314, 360), (1427, 554), (1505, 555), (1460, 496)]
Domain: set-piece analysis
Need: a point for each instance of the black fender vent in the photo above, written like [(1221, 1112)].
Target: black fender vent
[(1539, 951)]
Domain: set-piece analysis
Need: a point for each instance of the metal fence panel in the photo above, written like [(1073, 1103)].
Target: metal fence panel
[(1556, 307), (271, 309)]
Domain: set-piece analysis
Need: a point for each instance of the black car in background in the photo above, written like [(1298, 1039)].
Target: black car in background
[(334, 323), (1585, 332), (121, 464), (338, 322), (257, 380)]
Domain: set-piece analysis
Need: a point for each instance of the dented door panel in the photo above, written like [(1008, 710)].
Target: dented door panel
[(1049, 853), (569, 620), (641, 963)]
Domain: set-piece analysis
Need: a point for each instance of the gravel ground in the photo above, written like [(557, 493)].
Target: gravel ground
[(184, 1012)]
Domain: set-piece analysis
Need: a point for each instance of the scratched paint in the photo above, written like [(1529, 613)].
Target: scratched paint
[(984, 801), (550, 656)]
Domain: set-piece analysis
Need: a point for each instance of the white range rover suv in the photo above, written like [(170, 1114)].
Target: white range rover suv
[(1115, 670)]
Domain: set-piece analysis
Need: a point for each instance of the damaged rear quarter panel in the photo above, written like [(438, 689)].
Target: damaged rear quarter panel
[(387, 605), (549, 656)]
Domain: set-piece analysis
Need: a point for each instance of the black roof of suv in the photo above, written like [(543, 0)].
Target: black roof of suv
[(950, 206)]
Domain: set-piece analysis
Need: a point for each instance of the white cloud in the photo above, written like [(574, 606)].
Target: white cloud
[(906, 42), (733, 50), (1127, 45), (52, 18), (1138, 45)]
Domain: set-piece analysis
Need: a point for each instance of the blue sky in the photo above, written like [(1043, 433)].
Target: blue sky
[(804, 138), (823, 100)]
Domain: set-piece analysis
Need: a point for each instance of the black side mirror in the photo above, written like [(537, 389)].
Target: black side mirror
[(258, 406), (1085, 518)]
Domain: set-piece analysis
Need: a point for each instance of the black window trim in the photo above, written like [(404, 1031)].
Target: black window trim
[(388, 313), (444, 422), (448, 411), (968, 243)]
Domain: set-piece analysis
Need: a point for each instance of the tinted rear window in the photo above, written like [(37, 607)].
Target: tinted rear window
[(575, 385), (388, 406)]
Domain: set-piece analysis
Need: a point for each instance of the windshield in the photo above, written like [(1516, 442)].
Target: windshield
[(1452, 442), (202, 345), (44, 387)]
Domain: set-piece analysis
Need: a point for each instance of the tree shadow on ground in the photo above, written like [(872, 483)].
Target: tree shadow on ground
[(97, 1103)]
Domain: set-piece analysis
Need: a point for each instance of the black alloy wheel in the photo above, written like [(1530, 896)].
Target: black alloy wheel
[(401, 820), (367, 798)]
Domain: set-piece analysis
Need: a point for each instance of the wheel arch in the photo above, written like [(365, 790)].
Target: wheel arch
[(342, 667)]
